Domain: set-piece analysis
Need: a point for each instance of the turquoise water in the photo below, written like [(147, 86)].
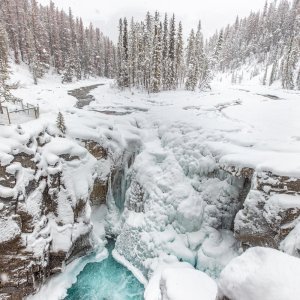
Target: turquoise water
[(106, 280)]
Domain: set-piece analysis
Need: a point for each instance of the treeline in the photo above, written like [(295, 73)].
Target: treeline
[(270, 38), (151, 55), (45, 37)]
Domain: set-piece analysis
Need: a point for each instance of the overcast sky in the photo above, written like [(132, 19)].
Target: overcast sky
[(214, 14)]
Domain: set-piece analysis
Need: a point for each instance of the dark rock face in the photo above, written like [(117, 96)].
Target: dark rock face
[(99, 192), (268, 182), (44, 219), (266, 216), (100, 187)]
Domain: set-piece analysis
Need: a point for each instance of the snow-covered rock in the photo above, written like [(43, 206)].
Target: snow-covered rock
[(261, 274), (271, 210), (180, 281), (46, 183), (187, 284)]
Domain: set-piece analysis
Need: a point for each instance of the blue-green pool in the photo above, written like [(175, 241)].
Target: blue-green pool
[(106, 280)]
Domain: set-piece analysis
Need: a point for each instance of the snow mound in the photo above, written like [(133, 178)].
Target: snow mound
[(261, 274), (187, 284), (173, 280)]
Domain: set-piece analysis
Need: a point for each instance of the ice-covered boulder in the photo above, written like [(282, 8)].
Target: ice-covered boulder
[(267, 218), (186, 284), (180, 281), (261, 274)]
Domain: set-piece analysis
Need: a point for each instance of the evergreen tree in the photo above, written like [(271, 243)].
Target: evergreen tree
[(219, 45), (125, 57), (151, 56), (34, 65), (157, 54), (289, 65), (180, 69), (120, 54), (45, 37), (4, 68), (165, 58), (39, 36), (133, 53), (192, 74), (171, 82), (273, 72), (267, 38), (60, 123), (148, 50), (201, 71)]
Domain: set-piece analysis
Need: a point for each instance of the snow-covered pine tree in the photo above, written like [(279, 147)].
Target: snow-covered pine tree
[(273, 75), (141, 55), (156, 58), (21, 27), (74, 51), (192, 64), (81, 44), (202, 71), (53, 33), (165, 58), (44, 37), (266, 38), (125, 58), (172, 80), (219, 45), (4, 67), (8, 16), (120, 55), (123, 77), (180, 66), (133, 52), (292, 55), (33, 62), (40, 39), (148, 50), (109, 59), (60, 123), (289, 64)]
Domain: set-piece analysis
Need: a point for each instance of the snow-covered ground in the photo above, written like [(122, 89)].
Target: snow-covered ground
[(248, 123), (171, 212)]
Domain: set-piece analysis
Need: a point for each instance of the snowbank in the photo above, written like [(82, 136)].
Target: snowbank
[(261, 274), (180, 281)]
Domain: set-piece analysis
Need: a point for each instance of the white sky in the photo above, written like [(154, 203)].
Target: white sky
[(214, 14)]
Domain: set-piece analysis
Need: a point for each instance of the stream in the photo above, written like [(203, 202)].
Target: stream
[(82, 95), (106, 280)]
